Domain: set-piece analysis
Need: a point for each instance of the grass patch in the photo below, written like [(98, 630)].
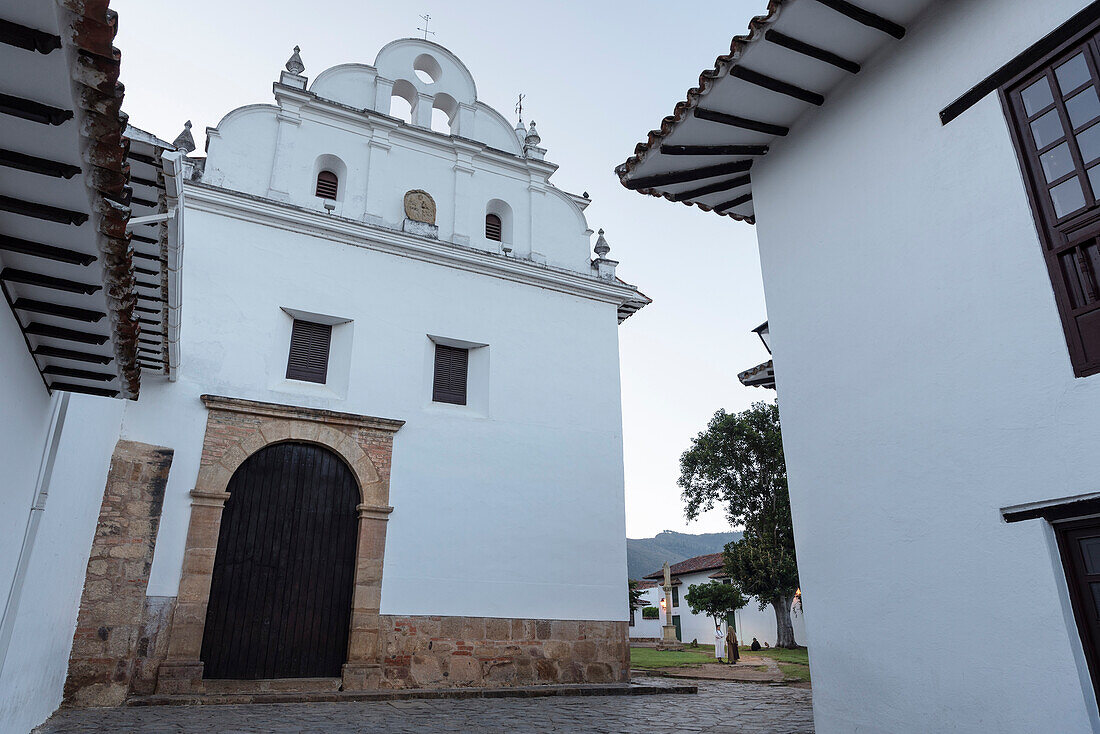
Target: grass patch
[(795, 672), (800, 655), (648, 657)]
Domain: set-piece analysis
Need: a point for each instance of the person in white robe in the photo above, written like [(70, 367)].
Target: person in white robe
[(719, 642)]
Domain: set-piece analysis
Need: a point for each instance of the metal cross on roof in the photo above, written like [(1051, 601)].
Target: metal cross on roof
[(519, 107), (426, 17)]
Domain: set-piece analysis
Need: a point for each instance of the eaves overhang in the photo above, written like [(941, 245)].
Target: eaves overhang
[(66, 269), (793, 57)]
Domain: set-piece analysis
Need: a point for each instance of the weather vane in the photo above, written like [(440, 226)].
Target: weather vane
[(426, 17), (519, 107)]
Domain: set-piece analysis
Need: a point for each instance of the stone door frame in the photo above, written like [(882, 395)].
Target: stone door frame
[(236, 429)]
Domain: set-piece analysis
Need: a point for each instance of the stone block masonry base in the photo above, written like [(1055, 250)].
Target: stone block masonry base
[(454, 652), (111, 640)]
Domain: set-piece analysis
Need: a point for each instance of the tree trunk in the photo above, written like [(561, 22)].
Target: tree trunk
[(783, 626)]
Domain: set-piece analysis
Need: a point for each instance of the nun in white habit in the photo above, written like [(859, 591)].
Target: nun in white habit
[(719, 641)]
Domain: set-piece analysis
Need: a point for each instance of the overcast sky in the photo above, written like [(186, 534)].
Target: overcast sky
[(598, 76)]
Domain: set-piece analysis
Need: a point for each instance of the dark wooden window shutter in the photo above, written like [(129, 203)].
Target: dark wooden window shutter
[(309, 344), (1079, 544), (449, 385), (1054, 112), (327, 185), (492, 227)]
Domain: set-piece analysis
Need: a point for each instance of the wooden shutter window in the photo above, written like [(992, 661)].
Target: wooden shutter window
[(309, 345), (1054, 110), (449, 384), (327, 185), (1079, 544), (492, 227)]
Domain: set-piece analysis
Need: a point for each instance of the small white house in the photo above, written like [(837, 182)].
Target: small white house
[(642, 629), (923, 176), (749, 622)]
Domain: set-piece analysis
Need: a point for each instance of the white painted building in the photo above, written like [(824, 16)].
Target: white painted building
[(412, 321), (749, 622), (935, 378)]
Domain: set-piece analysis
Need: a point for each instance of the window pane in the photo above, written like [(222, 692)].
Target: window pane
[(1046, 129), (1073, 73), (1089, 143), (1094, 179), (1057, 162), (1096, 599), (1090, 551), (1083, 107), (1067, 197), (1037, 96)]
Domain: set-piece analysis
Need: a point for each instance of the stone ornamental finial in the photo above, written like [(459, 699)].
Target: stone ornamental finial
[(532, 138), (602, 248), (294, 64), (184, 141)]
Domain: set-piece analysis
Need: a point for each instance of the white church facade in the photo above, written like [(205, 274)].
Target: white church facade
[(923, 180), (378, 429)]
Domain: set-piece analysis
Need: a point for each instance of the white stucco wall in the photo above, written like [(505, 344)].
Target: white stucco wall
[(924, 383), (33, 674), (26, 418), (498, 503)]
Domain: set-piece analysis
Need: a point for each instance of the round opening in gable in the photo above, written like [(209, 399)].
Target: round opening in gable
[(427, 69)]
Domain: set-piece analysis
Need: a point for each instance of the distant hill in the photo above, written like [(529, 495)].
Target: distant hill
[(646, 555)]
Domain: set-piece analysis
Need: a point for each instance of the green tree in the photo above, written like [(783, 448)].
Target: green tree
[(715, 600), (634, 594), (738, 462)]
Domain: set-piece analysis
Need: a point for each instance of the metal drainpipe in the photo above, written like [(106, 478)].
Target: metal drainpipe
[(173, 162), (41, 492)]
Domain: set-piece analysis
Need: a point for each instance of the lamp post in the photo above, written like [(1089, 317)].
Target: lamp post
[(668, 640)]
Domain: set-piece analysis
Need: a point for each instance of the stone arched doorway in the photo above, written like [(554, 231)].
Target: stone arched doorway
[(283, 576), (236, 430)]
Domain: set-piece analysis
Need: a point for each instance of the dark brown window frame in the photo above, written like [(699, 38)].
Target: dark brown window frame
[(1067, 235), (327, 188), (1083, 607), (450, 375), (307, 358)]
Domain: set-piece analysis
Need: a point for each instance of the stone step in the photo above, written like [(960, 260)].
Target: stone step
[(580, 689), (274, 685)]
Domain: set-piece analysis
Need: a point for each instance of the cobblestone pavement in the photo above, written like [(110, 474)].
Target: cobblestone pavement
[(718, 708)]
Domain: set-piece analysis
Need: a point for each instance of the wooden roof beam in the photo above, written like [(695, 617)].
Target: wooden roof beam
[(775, 85), (28, 109), (46, 350), (744, 123), (714, 149), (70, 387), (723, 185), (866, 17), (42, 211), (54, 309), (54, 369), (14, 275), (59, 332), (30, 39), (36, 249), (806, 49), (733, 203), (689, 174), (34, 164)]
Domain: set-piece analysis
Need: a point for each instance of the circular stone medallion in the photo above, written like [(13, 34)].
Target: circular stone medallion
[(420, 206)]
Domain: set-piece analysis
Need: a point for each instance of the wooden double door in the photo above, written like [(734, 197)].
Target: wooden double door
[(284, 572)]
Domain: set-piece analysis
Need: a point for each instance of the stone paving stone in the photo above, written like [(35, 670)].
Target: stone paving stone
[(718, 708)]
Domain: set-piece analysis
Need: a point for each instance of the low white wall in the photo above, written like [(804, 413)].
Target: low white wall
[(648, 628), (33, 675)]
